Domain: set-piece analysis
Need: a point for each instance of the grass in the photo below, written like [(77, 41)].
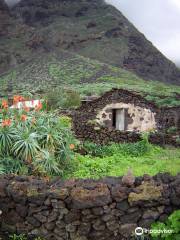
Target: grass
[(154, 160)]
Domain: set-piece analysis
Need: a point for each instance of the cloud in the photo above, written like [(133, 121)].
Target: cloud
[(12, 2), (158, 20)]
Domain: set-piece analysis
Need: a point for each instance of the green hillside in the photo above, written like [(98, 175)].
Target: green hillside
[(92, 29), (68, 70)]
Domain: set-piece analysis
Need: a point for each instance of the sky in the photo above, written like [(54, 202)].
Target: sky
[(159, 20)]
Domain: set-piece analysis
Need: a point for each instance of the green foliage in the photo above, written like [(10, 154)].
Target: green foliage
[(11, 165), (54, 98), (72, 99), (74, 70), (116, 159), (22, 237), (25, 146), (178, 140), (131, 149), (172, 130), (65, 121), (7, 135), (17, 237), (62, 98), (84, 76), (38, 142), (172, 223)]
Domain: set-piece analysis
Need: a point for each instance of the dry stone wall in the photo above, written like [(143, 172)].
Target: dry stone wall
[(137, 119), (110, 208), (86, 126)]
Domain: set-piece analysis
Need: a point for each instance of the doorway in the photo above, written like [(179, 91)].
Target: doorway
[(118, 120)]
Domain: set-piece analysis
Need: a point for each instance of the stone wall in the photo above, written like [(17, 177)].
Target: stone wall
[(89, 131), (86, 126), (110, 208), (136, 118), (170, 117)]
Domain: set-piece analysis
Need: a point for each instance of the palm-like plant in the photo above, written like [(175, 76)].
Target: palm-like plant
[(7, 137), (45, 162), (26, 146), (10, 165), (33, 139)]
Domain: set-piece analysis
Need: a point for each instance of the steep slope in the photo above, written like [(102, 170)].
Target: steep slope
[(4, 18), (62, 69), (96, 30), (90, 28)]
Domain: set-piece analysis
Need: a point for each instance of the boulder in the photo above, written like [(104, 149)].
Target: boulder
[(147, 191), (85, 198)]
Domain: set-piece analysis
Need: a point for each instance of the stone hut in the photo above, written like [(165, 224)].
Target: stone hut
[(121, 115)]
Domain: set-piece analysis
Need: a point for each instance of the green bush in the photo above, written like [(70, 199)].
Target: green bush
[(172, 223), (71, 99), (34, 141), (22, 237), (132, 149), (117, 160), (62, 98), (172, 130), (65, 121), (17, 237), (178, 140)]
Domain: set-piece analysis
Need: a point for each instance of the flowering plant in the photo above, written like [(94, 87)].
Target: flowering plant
[(34, 138)]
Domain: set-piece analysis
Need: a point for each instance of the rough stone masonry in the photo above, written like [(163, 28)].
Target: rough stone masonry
[(110, 208)]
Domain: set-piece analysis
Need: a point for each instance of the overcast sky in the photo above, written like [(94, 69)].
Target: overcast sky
[(159, 20)]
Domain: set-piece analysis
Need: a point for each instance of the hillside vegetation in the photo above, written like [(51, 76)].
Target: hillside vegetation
[(92, 29), (116, 159), (67, 70)]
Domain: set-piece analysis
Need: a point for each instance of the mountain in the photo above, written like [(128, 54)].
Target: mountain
[(90, 28), (65, 70), (4, 18), (178, 64)]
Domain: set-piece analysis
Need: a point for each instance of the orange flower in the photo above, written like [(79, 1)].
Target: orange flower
[(17, 99), (23, 118), (26, 109), (4, 104), (6, 122), (39, 106), (71, 146)]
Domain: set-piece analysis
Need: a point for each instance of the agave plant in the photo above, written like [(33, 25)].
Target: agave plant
[(10, 165), (33, 139), (7, 137), (26, 146), (46, 163), (2, 169)]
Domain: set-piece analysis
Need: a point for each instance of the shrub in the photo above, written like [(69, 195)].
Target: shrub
[(72, 99), (65, 121), (172, 223), (53, 99), (178, 140), (172, 130), (62, 98), (22, 237), (36, 139), (17, 237), (132, 149)]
